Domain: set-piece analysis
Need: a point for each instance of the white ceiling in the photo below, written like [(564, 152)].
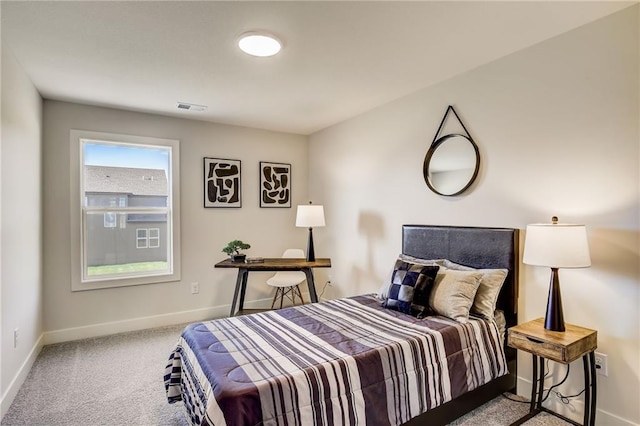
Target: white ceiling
[(340, 58)]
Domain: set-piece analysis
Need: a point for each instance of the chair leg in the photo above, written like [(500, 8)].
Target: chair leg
[(275, 297), (299, 294), (289, 292)]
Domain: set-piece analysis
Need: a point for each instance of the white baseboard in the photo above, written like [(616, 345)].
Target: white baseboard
[(134, 324), (20, 377), (575, 409), (142, 323), (115, 327)]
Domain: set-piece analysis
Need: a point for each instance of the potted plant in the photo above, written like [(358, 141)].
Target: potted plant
[(233, 250)]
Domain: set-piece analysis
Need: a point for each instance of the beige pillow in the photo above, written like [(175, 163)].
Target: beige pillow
[(491, 282), (453, 293)]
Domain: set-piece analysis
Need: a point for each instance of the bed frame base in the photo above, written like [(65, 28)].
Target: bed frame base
[(460, 406)]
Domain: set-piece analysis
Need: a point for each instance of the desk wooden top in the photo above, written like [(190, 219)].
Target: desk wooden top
[(276, 263)]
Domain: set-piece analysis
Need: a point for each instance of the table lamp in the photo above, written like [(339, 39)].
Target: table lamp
[(556, 245), (310, 216)]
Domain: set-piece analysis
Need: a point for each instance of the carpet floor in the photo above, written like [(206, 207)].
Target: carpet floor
[(118, 380)]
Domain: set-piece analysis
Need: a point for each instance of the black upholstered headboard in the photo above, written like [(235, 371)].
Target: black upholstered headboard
[(476, 247)]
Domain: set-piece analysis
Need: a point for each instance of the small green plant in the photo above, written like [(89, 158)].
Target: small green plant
[(234, 247)]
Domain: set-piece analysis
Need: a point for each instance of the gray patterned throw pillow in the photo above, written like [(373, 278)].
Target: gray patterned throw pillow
[(404, 279)]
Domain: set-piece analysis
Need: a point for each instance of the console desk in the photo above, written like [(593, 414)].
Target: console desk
[(271, 265)]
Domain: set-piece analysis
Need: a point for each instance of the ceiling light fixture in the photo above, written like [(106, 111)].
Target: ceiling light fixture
[(259, 43)]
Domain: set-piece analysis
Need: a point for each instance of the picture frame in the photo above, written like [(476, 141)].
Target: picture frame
[(275, 185), (222, 183)]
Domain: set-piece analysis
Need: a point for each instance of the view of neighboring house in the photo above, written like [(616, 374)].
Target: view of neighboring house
[(125, 237)]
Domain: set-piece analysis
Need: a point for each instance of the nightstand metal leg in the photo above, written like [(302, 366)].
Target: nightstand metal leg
[(540, 382), (590, 386), (534, 383), (594, 387), (587, 389)]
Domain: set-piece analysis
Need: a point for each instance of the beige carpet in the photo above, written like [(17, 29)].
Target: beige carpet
[(118, 380)]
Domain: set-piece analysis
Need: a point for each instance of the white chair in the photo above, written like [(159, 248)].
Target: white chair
[(286, 282)]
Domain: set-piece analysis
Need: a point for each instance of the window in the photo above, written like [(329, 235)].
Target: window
[(109, 220), (147, 238), (123, 183), (142, 241), (154, 237)]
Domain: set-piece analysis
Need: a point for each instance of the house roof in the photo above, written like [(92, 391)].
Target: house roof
[(125, 180)]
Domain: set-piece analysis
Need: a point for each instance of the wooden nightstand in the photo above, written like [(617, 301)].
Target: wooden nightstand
[(563, 347)]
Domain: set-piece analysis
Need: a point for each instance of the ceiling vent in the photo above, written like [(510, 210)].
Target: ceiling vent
[(190, 107)]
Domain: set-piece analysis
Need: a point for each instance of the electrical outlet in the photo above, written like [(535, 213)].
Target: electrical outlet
[(601, 364), (16, 334), (195, 288)]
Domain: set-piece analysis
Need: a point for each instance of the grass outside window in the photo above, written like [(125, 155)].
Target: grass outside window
[(127, 268)]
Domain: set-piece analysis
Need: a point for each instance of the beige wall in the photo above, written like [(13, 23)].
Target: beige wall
[(557, 128), (21, 225), (204, 232)]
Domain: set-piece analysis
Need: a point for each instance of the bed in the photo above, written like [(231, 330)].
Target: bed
[(356, 360)]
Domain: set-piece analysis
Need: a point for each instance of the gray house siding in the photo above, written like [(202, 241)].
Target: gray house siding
[(120, 238)]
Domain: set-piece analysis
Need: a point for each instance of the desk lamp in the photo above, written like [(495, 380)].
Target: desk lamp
[(310, 216), (556, 245)]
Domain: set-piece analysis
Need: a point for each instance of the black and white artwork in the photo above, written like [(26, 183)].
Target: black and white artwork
[(222, 183), (275, 184)]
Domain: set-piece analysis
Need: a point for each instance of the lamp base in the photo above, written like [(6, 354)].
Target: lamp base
[(554, 320), (311, 255)]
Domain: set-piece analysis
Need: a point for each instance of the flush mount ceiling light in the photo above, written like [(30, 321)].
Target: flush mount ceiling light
[(259, 43)]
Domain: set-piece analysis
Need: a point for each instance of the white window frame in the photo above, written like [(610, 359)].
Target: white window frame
[(142, 242), (79, 282), (150, 238), (110, 220), (154, 242)]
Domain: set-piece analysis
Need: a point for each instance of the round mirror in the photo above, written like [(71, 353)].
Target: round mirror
[(451, 164)]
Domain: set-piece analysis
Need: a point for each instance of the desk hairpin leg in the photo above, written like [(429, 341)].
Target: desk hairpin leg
[(312, 287), (241, 287)]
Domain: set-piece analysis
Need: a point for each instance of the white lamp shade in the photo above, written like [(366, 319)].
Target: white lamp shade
[(556, 246), (310, 216)]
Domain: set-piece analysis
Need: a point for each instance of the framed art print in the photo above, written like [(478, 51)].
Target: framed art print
[(275, 184), (222, 183)]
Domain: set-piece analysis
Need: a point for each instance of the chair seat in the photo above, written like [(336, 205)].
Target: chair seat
[(286, 278), (286, 282)]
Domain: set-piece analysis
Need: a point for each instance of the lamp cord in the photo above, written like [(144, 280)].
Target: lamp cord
[(563, 398), (323, 289)]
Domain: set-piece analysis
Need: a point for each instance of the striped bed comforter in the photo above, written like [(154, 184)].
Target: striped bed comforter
[(343, 362)]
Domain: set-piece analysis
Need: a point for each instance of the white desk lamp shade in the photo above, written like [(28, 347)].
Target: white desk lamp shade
[(557, 246), (310, 216)]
